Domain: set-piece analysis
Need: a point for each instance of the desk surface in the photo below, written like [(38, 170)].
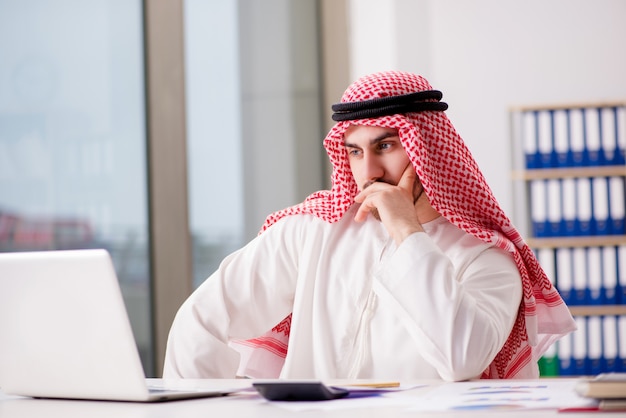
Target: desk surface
[(250, 404)]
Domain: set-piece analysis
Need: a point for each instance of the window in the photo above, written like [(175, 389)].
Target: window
[(72, 138)]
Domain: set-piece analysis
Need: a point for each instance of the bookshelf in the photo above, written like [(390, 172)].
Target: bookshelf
[(569, 188)]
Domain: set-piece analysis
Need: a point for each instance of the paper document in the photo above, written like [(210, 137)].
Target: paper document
[(502, 395)]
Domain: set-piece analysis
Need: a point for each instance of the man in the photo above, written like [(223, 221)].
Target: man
[(407, 268)]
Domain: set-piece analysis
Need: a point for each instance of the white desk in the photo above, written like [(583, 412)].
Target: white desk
[(252, 405)]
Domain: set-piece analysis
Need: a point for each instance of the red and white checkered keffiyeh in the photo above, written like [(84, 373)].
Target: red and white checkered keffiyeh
[(455, 188)]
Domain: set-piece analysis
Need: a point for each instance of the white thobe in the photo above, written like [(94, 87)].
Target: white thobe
[(440, 305)]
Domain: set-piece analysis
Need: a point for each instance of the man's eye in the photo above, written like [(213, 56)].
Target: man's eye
[(384, 146), (353, 152)]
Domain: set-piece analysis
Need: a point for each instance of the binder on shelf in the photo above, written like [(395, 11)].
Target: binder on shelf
[(592, 136), (621, 343), (594, 276), (561, 138), (580, 353), (608, 130), (555, 212), (620, 134), (538, 211), (584, 207), (594, 344), (565, 355), (564, 274), (617, 205), (580, 294), (609, 275), (529, 140), (576, 137), (545, 139), (600, 206), (609, 343), (621, 274), (569, 204)]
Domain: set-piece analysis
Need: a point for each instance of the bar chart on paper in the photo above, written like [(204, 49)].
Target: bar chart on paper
[(569, 181)]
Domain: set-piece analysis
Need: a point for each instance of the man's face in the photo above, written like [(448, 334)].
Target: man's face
[(375, 154)]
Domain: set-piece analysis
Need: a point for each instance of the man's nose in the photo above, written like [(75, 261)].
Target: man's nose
[(373, 169)]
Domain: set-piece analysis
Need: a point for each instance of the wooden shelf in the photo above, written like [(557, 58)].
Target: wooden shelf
[(569, 172), (587, 241), (595, 310), (568, 106)]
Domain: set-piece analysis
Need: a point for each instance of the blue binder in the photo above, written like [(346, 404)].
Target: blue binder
[(580, 277), (592, 136), (621, 343), (617, 205), (545, 139), (539, 208), (570, 222), (609, 275), (560, 134), (600, 224), (585, 206), (620, 134), (529, 139), (576, 137), (609, 344), (607, 134), (563, 271), (595, 353), (555, 224), (595, 281), (564, 350), (620, 252), (580, 348), (616, 122)]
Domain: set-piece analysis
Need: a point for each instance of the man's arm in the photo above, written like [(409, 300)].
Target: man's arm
[(251, 291), (460, 319)]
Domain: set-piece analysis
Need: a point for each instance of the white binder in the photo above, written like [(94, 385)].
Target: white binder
[(617, 203), (538, 210), (555, 215), (579, 281), (579, 349), (594, 343), (607, 129), (568, 193), (594, 275), (592, 135), (529, 139), (561, 140), (609, 341), (600, 198), (577, 140), (609, 275), (584, 208), (564, 273), (544, 140)]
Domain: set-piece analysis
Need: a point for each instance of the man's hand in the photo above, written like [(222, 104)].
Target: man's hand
[(393, 205)]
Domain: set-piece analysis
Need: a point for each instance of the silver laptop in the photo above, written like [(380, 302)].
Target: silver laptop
[(65, 333)]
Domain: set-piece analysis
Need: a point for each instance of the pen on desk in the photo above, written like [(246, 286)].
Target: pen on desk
[(579, 409), (377, 385)]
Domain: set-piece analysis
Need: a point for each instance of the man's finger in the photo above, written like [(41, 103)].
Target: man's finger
[(407, 181)]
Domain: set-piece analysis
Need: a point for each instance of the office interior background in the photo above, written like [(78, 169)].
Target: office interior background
[(166, 130)]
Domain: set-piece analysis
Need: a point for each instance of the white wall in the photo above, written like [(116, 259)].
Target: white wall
[(489, 55)]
